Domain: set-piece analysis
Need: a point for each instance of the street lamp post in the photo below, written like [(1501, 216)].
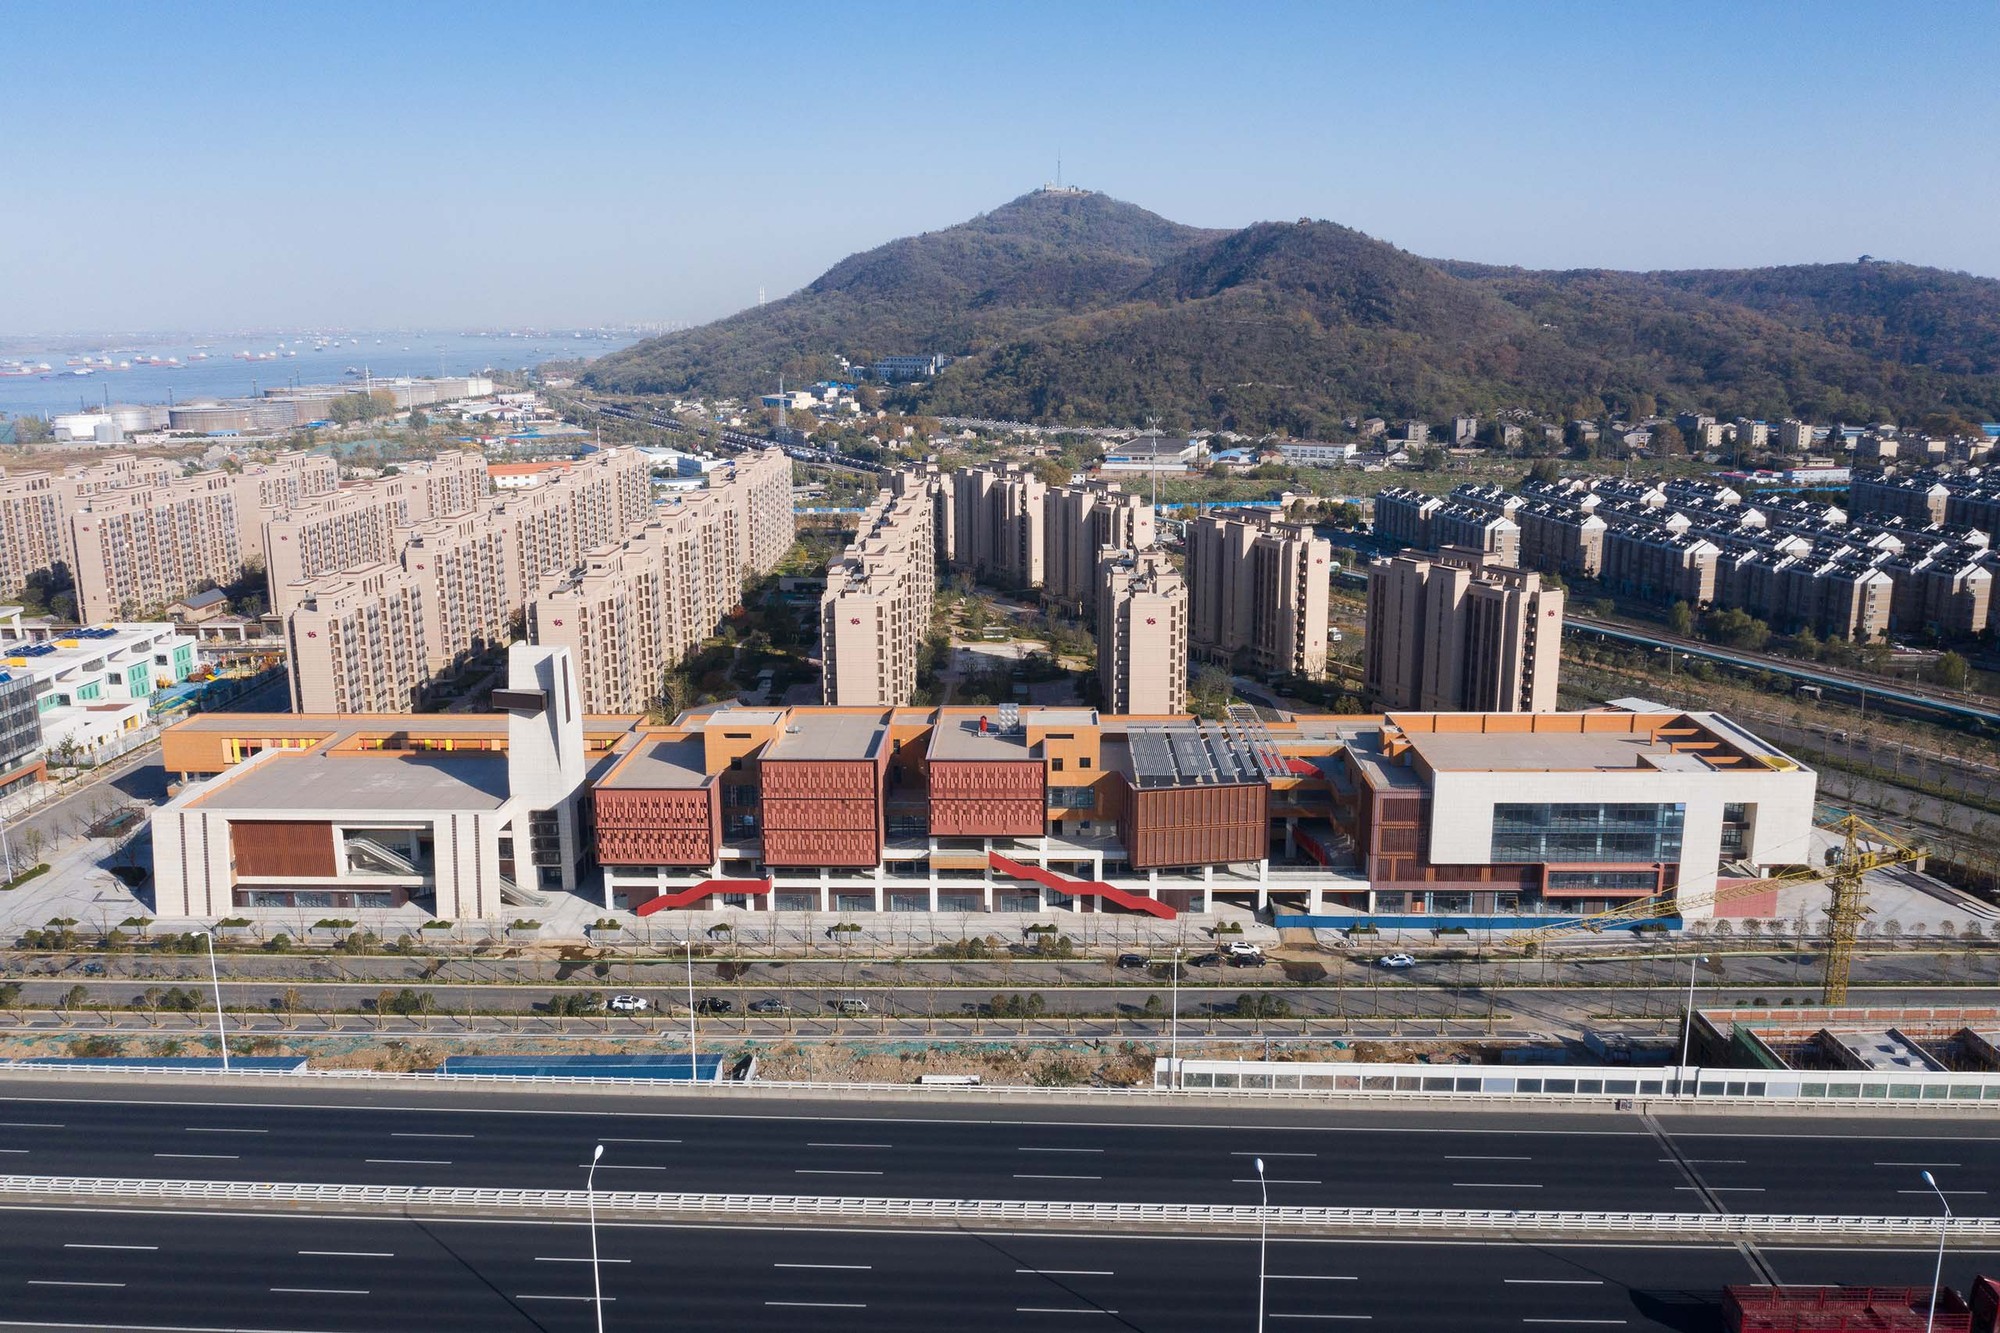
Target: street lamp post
[(1263, 1237), (1687, 1023), (689, 943), (1174, 1028), (215, 980), (590, 1197), (1944, 1226)]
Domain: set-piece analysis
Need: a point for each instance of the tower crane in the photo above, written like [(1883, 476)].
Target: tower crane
[(1863, 847)]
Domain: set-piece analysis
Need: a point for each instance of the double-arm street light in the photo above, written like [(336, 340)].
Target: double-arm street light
[(215, 980), (590, 1197)]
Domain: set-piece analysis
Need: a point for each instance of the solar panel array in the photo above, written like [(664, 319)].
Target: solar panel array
[(1198, 755)]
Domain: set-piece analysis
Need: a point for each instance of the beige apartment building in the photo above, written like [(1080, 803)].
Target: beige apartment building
[(876, 609), (1455, 632), (935, 483), (1142, 633), (1259, 585), (357, 526), (35, 509), (1080, 521), (997, 525), (609, 563), (637, 609), (358, 644)]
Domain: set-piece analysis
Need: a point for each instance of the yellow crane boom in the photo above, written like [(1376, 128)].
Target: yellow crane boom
[(1863, 848)]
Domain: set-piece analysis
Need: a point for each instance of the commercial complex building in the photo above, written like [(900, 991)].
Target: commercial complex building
[(1457, 632), (1078, 523), (1259, 586), (876, 609), (353, 813), (457, 584), (997, 525), (1142, 632), (1500, 819)]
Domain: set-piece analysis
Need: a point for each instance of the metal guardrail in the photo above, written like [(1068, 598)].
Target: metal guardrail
[(1175, 1216)]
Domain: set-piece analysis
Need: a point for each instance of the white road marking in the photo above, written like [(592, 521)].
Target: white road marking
[(1099, 1150), (321, 1291), (1322, 1316), (1466, 1157), (90, 1245), (1716, 1161), (405, 1161), (203, 1129), (1251, 1180), (1067, 1272), (1606, 1322), (575, 1259), (413, 1134), (1916, 1164), (609, 1140), (1553, 1281), (29, 1124), (1947, 1192), (1254, 1153), (1019, 1176), (850, 1145), (1496, 1185), (16, 1152), (821, 1305), (201, 1156), (1742, 1189), (1060, 1309), (828, 1171), (607, 1299), (860, 1268), (351, 1254), (1310, 1277), (57, 1282), (618, 1166)]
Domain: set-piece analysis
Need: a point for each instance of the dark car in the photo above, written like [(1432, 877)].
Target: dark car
[(770, 1005), (1206, 960), (1133, 960), (713, 1004)]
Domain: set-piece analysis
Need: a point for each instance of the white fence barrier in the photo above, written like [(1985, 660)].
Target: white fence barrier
[(1165, 1216)]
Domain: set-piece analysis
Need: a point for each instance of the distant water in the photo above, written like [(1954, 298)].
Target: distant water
[(224, 375)]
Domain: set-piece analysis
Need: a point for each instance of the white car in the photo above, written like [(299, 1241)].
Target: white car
[(1243, 949), (1395, 960), (630, 1004)]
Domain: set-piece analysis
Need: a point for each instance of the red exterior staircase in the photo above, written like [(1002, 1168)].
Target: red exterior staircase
[(689, 897), (1081, 888)]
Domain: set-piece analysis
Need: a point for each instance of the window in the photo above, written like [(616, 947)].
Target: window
[(1072, 798), (1572, 880), (1737, 820), (1581, 832), (1055, 765), (1083, 762)]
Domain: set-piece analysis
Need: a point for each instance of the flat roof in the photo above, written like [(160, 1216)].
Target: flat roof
[(307, 784), (831, 736), (1199, 755), (676, 762), (959, 737), (1544, 752), (1888, 1051)]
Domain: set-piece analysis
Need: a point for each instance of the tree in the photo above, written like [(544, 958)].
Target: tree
[(1668, 441), (1680, 619), (1952, 671)]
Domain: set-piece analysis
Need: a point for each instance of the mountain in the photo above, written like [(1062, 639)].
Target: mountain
[(1075, 307), (1043, 256)]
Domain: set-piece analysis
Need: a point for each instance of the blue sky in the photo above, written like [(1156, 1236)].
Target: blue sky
[(191, 165)]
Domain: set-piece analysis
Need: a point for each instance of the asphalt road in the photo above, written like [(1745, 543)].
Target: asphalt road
[(1415, 1158), (343, 1275)]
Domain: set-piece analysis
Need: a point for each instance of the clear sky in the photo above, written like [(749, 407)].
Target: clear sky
[(191, 165)]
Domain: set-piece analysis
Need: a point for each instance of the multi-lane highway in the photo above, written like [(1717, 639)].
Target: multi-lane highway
[(344, 1275), (200, 1271)]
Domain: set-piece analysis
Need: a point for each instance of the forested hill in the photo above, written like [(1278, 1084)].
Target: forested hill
[(1076, 307)]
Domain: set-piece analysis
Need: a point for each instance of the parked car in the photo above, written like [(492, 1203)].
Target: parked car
[(713, 1004), (1132, 960), (770, 1005), (850, 1005), (1205, 960), (1395, 960), (630, 1004), (1243, 949)]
